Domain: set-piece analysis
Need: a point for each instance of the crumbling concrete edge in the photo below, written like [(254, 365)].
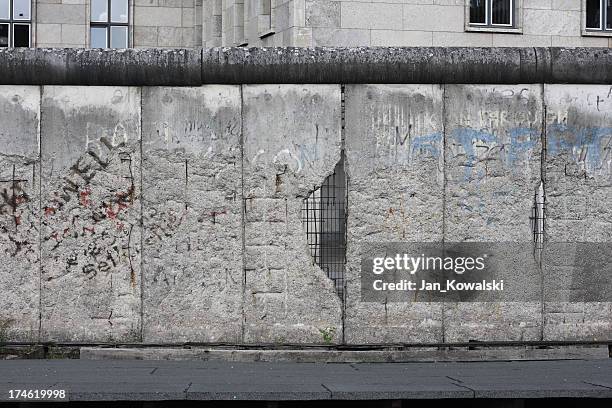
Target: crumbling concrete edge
[(291, 65)]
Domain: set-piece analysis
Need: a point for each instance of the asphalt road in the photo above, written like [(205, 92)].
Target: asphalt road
[(131, 380)]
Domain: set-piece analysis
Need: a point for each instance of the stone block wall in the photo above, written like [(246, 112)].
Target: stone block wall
[(166, 24), (310, 23), (61, 23), (442, 23), (160, 214)]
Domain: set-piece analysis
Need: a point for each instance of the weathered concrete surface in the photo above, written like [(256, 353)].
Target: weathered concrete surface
[(192, 212), (292, 142), (91, 232), (19, 213), (221, 270), (578, 66), (579, 202), (77, 66), (492, 167), (416, 65), (344, 356), (394, 162)]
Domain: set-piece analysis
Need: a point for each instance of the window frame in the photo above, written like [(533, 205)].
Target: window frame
[(516, 19), (12, 21), (602, 31), (108, 24)]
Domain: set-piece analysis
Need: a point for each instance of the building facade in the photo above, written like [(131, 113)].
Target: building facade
[(304, 23)]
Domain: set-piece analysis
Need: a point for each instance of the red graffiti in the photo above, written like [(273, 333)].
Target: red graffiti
[(110, 213), (92, 230), (49, 211), (84, 197)]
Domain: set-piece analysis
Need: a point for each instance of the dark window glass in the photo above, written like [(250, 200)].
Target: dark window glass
[(609, 14), (478, 11), (593, 14), (21, 35), (501, 12), (4, 35)]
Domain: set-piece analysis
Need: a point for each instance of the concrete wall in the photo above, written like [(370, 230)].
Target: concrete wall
[(395, 194), (578, 180), (164, 215), (90, 236), (192, 178)]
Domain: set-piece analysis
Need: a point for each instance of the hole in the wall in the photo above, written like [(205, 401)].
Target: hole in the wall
[(324, 221)]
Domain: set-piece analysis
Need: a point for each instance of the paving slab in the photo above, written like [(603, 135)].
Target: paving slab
[(124, 380)]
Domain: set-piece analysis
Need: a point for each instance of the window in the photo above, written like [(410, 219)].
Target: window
[(109, 24), (492, 13), (15, 23), (599, 15)]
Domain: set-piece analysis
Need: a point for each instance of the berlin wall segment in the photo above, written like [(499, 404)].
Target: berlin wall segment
[(184, 224)]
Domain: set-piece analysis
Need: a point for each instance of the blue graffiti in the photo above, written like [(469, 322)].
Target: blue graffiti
[(588, 146), (427, 144), (522, 140)]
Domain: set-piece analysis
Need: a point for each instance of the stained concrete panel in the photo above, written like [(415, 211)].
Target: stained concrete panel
[(394, 162), (192, 209), (91, 234), (492, 167), (19, 213), (578, 208), (292, 141)]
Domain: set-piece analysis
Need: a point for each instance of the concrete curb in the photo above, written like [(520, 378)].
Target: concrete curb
[(336, 356), (389, 65)]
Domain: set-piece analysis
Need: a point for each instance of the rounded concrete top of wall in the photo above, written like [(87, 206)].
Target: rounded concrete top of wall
[(183, 67)]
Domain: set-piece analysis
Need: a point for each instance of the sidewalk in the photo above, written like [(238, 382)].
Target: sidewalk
[(124, 380)]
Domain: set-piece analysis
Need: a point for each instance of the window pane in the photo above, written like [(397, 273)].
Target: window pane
[(5, 9), (98, 37), (119, 11), (501, 12), (593, 14), (609, 14), (119, 37), (4, 34), (21, 9), (99, 12), (478, 11), (21, 35)]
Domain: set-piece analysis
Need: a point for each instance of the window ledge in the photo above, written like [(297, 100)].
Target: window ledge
[(596, 33), (502, 30), (265, 34)]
